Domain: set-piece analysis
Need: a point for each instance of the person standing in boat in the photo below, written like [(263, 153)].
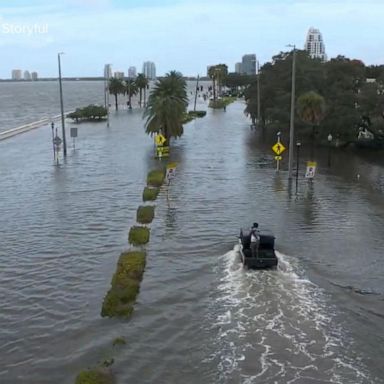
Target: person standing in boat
[(255, 239)]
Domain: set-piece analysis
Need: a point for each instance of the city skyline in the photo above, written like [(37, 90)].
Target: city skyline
[(184, 35)]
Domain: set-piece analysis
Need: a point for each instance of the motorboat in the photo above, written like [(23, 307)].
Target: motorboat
[(260, 256)]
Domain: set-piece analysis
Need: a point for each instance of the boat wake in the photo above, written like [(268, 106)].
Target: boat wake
[(276, 326)]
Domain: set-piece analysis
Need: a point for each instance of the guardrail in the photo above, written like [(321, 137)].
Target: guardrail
[(28, 127)]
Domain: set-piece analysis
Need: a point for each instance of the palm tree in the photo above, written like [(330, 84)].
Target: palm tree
[(167, 105), (311, 109), (116, 87), (141, 82), (212, 75), (131, 90)]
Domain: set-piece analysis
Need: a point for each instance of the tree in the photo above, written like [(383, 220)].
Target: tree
[(141, 82), (116, 87), (167, 105), (311, 109), (131, 90), (218, 74)]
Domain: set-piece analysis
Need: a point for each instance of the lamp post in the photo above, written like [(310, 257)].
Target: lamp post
[(329, 148), (196, 90), (298, 144), (62, 106), (258, 94), (292, 119), (53, 140)]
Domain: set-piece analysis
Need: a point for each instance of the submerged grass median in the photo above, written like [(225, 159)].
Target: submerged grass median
[(125, 285)]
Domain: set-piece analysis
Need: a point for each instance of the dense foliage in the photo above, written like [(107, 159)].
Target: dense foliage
[(91, 112), (167, 105), (344, 94)]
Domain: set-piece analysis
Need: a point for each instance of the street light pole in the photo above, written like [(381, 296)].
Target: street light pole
[(258, 94), (298, 144), (329, 148), (292, 120), (62, 106)]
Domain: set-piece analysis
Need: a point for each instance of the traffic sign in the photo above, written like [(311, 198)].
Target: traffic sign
[(160, 139), (278, 148), (278, 158), (171, 170), (162, 151), (311, 169)]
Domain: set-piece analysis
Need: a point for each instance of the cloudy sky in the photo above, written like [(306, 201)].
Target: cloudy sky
[(186, 35)]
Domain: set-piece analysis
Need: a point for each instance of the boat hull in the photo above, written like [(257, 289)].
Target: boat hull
[(259, 262)]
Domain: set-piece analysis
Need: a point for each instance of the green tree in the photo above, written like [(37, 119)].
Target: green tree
[(131, 90), (311, 109), (167, 105), (116, 87), (142, 83)]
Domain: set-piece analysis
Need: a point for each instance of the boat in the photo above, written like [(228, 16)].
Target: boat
[(264, 257)]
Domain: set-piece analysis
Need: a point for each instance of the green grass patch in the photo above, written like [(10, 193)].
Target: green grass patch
[(155, 178), (138, 235), (145, 214), (119, 341), (95, 376), (150, 194), (125, 285), (197, 113), (221, 103)]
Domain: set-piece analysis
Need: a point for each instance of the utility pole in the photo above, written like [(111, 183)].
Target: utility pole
[(258, 94), (62, 106), (292, 120)]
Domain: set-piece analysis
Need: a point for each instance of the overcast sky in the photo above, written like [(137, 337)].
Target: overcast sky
[(186, 35)]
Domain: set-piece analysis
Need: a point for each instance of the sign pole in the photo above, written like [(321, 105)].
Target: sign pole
[(278, 157)]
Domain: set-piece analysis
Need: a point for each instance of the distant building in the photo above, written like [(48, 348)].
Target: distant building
[(248, 64), (34, 76), (108, 71), (27, 75), (118, 75), (238, 68), (149, 70), (17, 74), (314, 44), (132, 73)]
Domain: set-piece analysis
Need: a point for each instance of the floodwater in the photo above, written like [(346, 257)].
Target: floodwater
[(200, 317)]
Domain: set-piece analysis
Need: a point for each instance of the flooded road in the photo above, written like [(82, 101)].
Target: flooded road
[(200, 317)]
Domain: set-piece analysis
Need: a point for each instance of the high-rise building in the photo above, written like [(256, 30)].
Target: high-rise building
[(34, 76), (238, 68), (132, 72), (149, 70), (314, 44), (17, 74), (248, 64), (27, 75), (108, 71), (118, 75)]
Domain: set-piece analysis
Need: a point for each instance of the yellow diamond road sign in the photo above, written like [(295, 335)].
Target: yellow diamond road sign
[(159, 139), (278, 148)]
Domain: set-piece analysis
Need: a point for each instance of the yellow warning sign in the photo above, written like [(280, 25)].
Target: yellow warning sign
[(278, 148), (159, 139)]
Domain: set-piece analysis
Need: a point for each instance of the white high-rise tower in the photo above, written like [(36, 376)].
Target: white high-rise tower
[(314, 44)]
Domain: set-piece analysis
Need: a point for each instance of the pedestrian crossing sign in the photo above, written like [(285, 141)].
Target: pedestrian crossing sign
[(278, 148)]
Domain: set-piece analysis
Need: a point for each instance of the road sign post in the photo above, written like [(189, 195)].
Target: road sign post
[(278, 148)]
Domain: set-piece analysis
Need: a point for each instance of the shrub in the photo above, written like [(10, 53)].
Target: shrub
[(145, 214), (150, 194), (155, 178), (95, 376), (125, 285), (90, 112), (138, 235), (197, 113)]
